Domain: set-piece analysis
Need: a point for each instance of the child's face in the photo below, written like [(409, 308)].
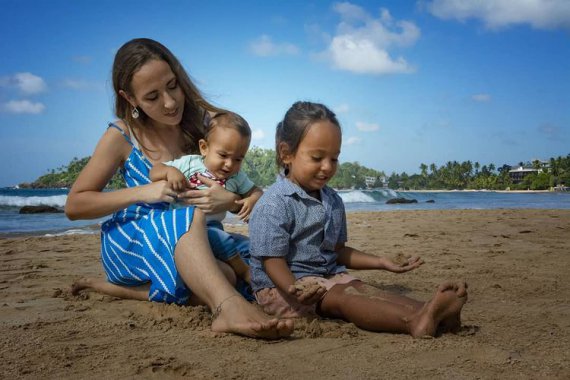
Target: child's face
[(224, 151), (316, 159)]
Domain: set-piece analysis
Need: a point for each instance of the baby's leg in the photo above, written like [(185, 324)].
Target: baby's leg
[(240, 267), (105, 287)]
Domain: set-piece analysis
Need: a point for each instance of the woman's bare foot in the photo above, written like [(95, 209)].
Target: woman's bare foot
[(81, 284), (236, 315), (445, 305)]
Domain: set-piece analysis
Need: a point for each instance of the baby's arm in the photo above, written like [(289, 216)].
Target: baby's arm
[(247, 203), (172, 175), (278, 271), (354, 259)]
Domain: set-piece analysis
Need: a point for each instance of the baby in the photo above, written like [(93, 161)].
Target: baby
[(222, 149)]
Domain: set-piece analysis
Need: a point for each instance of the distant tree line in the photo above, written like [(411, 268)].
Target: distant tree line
[(65, 175), (469, 175), (261, 167)]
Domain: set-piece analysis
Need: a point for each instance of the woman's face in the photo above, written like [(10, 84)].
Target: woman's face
[(156, 91)]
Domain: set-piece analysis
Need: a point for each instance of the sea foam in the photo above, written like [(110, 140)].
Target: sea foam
[(17, 201)]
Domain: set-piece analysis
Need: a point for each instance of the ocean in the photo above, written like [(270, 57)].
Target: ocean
[(11, 200)]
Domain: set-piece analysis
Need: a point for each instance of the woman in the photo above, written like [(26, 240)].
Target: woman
[(147, 250)]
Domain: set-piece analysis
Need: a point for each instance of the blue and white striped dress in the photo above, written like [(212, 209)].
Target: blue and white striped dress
[(137, 243)]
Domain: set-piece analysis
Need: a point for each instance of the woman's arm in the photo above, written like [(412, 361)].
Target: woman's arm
[(86, 199), (354, 259)]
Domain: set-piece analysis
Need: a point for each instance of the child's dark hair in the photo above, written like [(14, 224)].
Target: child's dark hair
[(296, 123), (228, 119)]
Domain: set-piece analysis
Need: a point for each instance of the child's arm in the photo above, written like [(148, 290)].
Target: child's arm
[(172, 175), (278, 271), (354, 259), (247, 203)]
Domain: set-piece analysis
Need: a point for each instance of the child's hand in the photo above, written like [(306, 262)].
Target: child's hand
[(402, 266), (176, 179), (246, 208), (307, 294)]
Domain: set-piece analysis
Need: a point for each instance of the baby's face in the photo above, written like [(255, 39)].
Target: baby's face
[(224, 151)]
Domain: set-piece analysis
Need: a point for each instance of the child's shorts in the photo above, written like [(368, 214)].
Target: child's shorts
[(275, 302)]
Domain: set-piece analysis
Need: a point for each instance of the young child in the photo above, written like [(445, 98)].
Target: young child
[(227, 138), (297, 239)]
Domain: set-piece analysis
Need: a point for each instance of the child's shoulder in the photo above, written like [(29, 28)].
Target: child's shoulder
[(332, 193)]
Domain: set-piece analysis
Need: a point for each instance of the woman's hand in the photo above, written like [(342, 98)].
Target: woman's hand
[(159, 191), (212, 200)]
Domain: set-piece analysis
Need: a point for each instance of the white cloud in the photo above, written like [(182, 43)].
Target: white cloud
[(551, 131), (265, 47), (495, 14), (27, 83), (83, 59), (352, 140), (367, 127), (258, 134), (342, 108), (481, 98), (83, 85), (361, 43), (23, 106)]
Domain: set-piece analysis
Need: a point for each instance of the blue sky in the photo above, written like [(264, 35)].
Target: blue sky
[(411, 81)]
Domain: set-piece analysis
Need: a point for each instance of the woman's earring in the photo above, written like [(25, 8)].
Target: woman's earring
[(135, 113)]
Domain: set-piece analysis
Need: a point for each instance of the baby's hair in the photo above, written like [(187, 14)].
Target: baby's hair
[(296, 123), (227, 119)]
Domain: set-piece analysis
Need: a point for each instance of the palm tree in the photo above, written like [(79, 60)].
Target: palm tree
[(423, 168), (433, 168)]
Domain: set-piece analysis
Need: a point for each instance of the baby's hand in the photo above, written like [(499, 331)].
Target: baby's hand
[(307, 294), (246, 208), (176, 179)]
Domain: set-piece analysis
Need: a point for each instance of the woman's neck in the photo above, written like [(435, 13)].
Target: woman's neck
[(161, 143)]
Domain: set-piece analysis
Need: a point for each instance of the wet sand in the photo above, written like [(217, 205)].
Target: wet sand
[(516, 324)]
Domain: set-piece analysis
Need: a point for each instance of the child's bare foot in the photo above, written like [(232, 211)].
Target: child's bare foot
[(452, 324), (445, 305), (236, 315), (81, 284)]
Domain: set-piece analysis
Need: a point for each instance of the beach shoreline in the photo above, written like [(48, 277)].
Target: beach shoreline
[(476, 191), (515, 323)]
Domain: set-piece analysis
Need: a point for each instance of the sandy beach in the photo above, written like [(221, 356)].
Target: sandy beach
[(516, 324)]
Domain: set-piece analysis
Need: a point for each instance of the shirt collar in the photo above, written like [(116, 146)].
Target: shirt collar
[(289, 188)]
